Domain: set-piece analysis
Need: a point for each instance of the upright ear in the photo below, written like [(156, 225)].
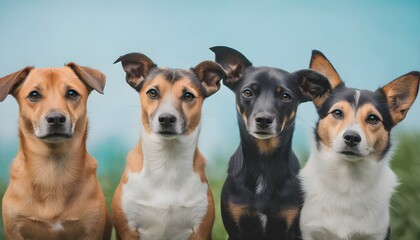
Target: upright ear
[(233, 62), (321, 64), (400, 94), (209, 74), (10, 82), (92, 77), (313, 85), (137, 66)]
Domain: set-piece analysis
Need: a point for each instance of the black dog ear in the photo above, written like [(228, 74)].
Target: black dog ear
[(92, 77), (233, 62), (137, 66), (209, 74), (10, 82), (312, 85), (400, 94)]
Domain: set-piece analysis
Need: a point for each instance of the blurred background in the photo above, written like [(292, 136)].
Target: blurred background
[(370, 43)]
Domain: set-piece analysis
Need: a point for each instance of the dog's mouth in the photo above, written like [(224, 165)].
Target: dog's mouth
[(351, 155), (55, 137), (167, 134), (263, 134)]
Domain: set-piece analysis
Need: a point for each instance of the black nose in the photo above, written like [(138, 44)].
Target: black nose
[(167, 119), (264, 120), (56, 119), (351, 138)]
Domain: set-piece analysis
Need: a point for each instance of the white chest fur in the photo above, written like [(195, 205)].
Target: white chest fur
[(167, 199), (345, 200)]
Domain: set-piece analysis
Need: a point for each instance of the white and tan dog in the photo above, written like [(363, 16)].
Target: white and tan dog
[(164, 193), (347, 181), (54, 192)]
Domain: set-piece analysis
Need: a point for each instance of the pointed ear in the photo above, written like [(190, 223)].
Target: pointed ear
[(312, 85), (92, 77), (233, 62), (209, 74), (400, 94), (321, 64), (10, 82), (137, 66)]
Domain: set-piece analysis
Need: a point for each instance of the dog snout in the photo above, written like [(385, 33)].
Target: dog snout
[(167, 120), (264, 120), (56, 119), (352, 138)]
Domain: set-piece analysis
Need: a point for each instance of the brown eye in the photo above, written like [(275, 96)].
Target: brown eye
[(72, 94), (247, 93), (152, 93), (372, 119), (337, 114), (286, 97), (189, 96), (34, 96)]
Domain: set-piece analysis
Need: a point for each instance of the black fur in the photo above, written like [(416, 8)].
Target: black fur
[(279, 166)]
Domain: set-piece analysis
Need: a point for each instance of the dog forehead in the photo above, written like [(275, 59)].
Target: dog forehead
[(266, 76), (170, 77), (52, 76)]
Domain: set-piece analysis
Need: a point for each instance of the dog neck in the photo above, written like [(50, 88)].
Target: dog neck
[(263, 171), (53, 167), (159, 152)]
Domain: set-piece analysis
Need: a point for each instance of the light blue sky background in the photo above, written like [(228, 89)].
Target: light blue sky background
[(369, 42)]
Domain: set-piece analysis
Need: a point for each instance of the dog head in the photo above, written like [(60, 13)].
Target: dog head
[(52, 101), (356, 123), (171, 99), (267, 98)]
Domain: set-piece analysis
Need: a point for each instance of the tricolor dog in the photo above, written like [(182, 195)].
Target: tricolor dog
[(53, 191), (347, 181), (261, 196), (164, 193)]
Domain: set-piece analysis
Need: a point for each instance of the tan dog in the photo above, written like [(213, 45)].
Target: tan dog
[(164, 193), (53, 191)]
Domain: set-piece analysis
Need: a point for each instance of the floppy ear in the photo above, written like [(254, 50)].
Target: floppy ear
[(92, 77), (321, 64), (233, 62), (400, 94), (10, 82), (209, 74), (312, 85), (137, 66)]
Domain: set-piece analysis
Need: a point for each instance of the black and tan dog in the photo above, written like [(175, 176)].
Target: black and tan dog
[(53, 191), (261, 196), (164, 193), (347, 181)]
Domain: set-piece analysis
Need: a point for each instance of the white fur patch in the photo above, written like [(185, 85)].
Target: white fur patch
[(57, 227), (261, 185), (346, 200), (167, 199)]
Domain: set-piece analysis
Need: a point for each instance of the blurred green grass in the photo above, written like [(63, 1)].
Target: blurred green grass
[(405, 210)]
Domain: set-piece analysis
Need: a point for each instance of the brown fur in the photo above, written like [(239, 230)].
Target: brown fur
[(267, 146), (54, 182), (329, 127), (289, 215)]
